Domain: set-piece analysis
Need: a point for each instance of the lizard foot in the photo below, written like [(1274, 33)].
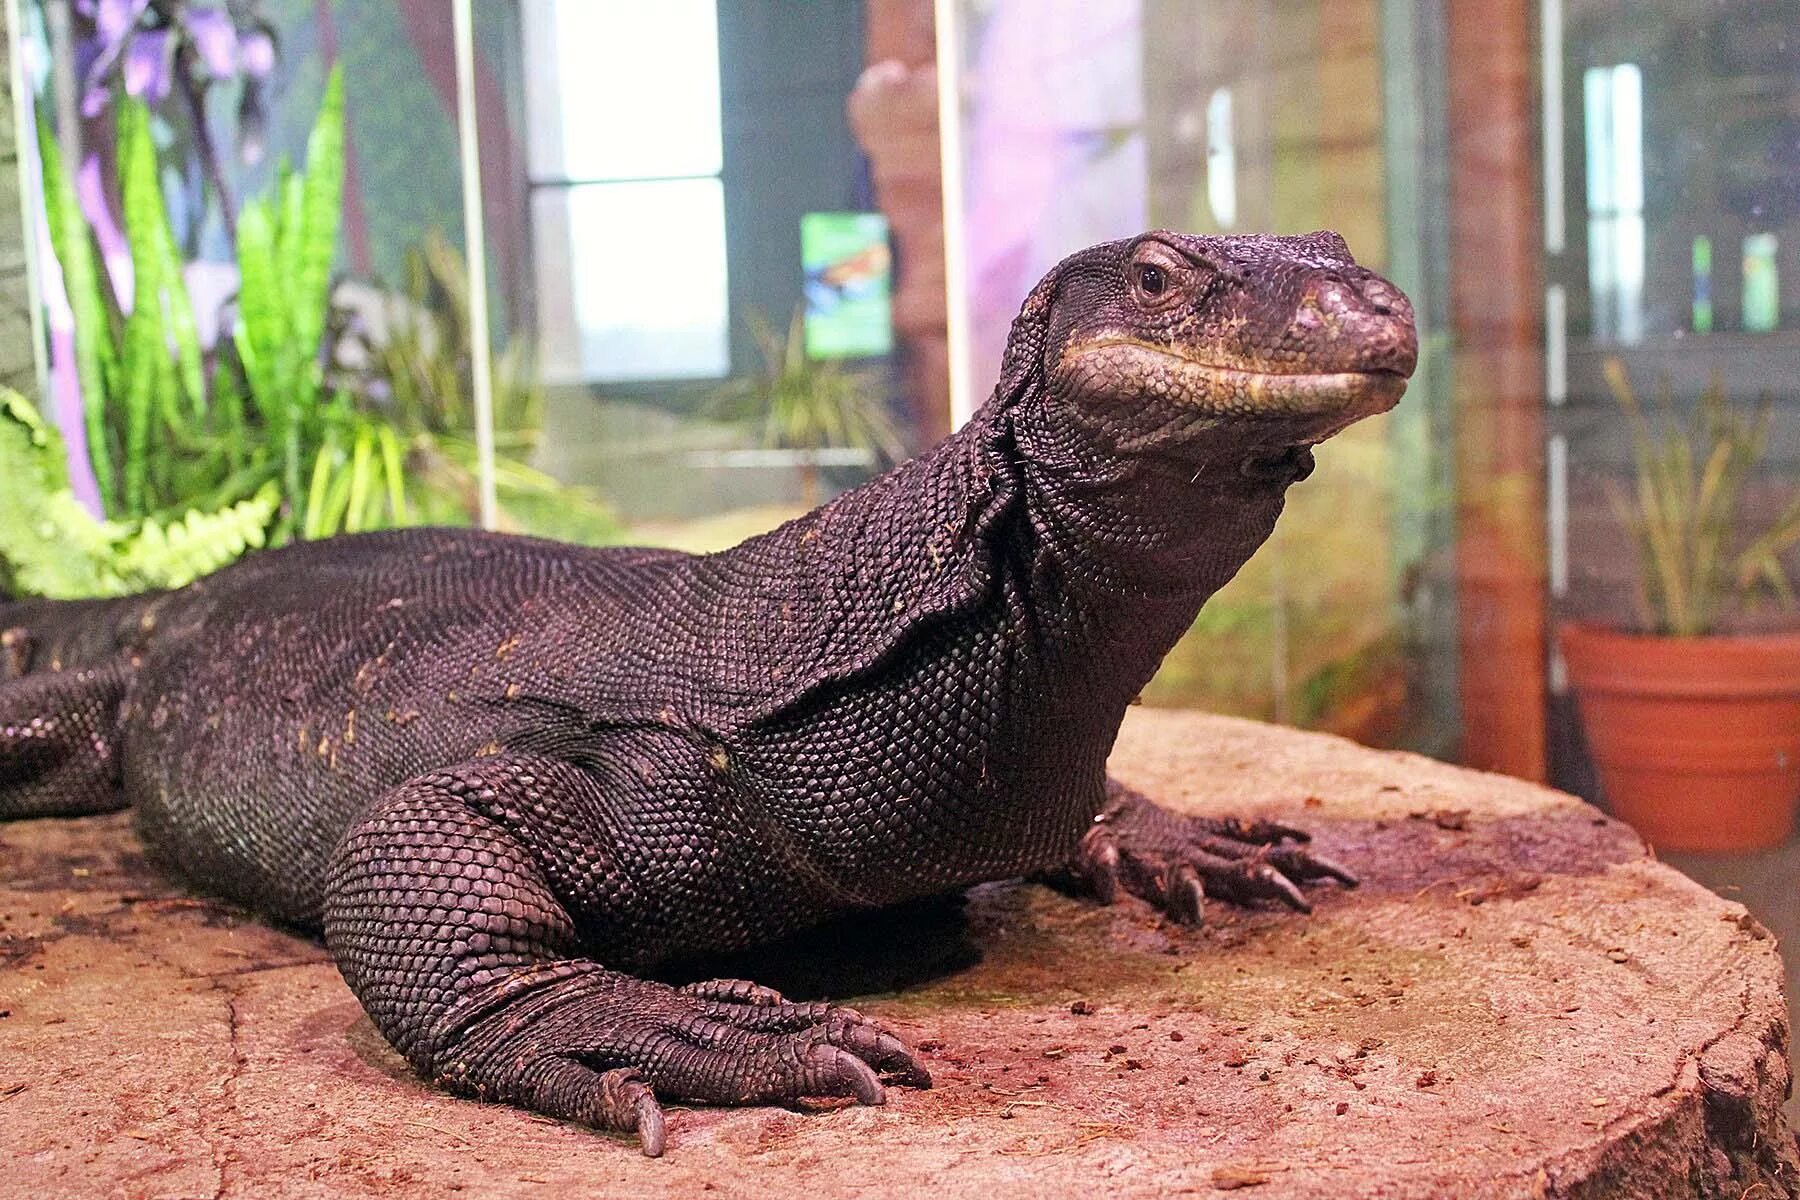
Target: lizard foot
[(1175, 862), (604, 1050)]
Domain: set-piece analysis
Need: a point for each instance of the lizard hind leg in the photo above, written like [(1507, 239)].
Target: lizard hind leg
[(59, 742), (448, 912)]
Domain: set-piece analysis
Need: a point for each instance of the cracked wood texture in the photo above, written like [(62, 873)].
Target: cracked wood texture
[(1519, 1001)]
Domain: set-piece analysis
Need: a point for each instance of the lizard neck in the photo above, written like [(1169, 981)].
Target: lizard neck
[(972, 627), (1118, 551)]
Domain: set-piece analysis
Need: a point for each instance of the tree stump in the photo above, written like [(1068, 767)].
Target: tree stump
[(1518, 1002)]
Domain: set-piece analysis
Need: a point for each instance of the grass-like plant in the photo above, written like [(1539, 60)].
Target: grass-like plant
[(1683, 510), (184, 443), (807, 404), (165, 426)]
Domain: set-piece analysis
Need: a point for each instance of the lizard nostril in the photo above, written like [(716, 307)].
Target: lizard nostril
[(1381, 299)]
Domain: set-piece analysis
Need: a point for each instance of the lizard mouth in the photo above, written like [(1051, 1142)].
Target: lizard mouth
[(1315, 404)]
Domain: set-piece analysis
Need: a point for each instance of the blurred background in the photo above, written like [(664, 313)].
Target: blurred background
[(738, 255)]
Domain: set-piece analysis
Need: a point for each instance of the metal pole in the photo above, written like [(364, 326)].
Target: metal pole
[(963, 397), (30, 177), (475, 243)]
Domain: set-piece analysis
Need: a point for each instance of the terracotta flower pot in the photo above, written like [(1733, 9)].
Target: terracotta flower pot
[(1697, 739)]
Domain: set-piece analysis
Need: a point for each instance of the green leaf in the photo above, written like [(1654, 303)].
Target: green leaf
[(322, 210), (145, 228), (198, 544), (51, 546), (262, 329), (1684, 511), (394, 474), (95, 355)]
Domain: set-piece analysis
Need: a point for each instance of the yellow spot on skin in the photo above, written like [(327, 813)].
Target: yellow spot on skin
[(488, 751), (507, 647), (301, 744), (402, 718), (720, 760), (512, 691), (350, 728)]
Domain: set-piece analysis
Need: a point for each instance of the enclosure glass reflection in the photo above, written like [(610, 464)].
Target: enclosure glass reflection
[(1229, 119)]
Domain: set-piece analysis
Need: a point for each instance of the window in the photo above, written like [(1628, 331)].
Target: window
[(1613, 103), (628, 211)]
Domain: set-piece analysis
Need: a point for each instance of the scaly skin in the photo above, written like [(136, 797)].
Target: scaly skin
[(501, 774)]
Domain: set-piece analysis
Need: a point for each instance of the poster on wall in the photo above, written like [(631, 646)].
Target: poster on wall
[(849, 284)]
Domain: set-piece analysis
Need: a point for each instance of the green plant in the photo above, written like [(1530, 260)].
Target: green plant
[(163, 425), (51, 546), (424, 359), (808, 404), (419, 376), (1683, 509), (188, 448)]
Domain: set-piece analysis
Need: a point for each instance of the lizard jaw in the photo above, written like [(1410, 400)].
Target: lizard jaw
[(1320, 403)]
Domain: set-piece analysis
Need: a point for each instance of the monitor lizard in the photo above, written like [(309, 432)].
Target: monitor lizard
[(506, 777)]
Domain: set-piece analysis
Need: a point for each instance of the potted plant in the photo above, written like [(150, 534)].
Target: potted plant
[(1696, 733)]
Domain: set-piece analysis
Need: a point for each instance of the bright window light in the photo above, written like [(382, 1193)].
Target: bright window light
[(621, 89), (1221, 159), (1613, 112), (631, 280), (627, 203)]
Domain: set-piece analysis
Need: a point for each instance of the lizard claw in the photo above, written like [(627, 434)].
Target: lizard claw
[(623, 1101), (652, 1135), (1175, 862), (1305, 866)]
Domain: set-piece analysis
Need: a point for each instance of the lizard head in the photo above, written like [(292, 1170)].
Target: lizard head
[(1195, 349)]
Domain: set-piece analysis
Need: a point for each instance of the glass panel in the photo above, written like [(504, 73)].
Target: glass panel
[(1683, 190), (632, 280), (698, 203), (1213, 118)]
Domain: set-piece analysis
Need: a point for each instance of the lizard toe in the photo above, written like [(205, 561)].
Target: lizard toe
[(829, 1024)]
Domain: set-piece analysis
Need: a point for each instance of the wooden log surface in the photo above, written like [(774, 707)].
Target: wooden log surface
[(1518, 1002)]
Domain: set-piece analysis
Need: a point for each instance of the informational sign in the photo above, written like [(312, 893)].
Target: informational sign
[(849, 284)]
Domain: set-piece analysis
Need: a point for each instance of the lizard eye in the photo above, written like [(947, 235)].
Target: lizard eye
[(1156, 281)]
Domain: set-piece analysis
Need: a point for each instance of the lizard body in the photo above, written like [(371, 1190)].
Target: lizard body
[(501, 774)]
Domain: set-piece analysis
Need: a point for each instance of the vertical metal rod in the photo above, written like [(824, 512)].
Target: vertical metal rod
[(475, 244), (1550, 39), (1556, 345), (31, 193), (956, 261), (1556, 489)]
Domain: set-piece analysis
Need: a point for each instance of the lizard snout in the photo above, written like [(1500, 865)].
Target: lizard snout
[(1364, 315)]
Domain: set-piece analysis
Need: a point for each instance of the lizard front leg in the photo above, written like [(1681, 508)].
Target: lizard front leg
[(443, 914), (1175, 862)]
